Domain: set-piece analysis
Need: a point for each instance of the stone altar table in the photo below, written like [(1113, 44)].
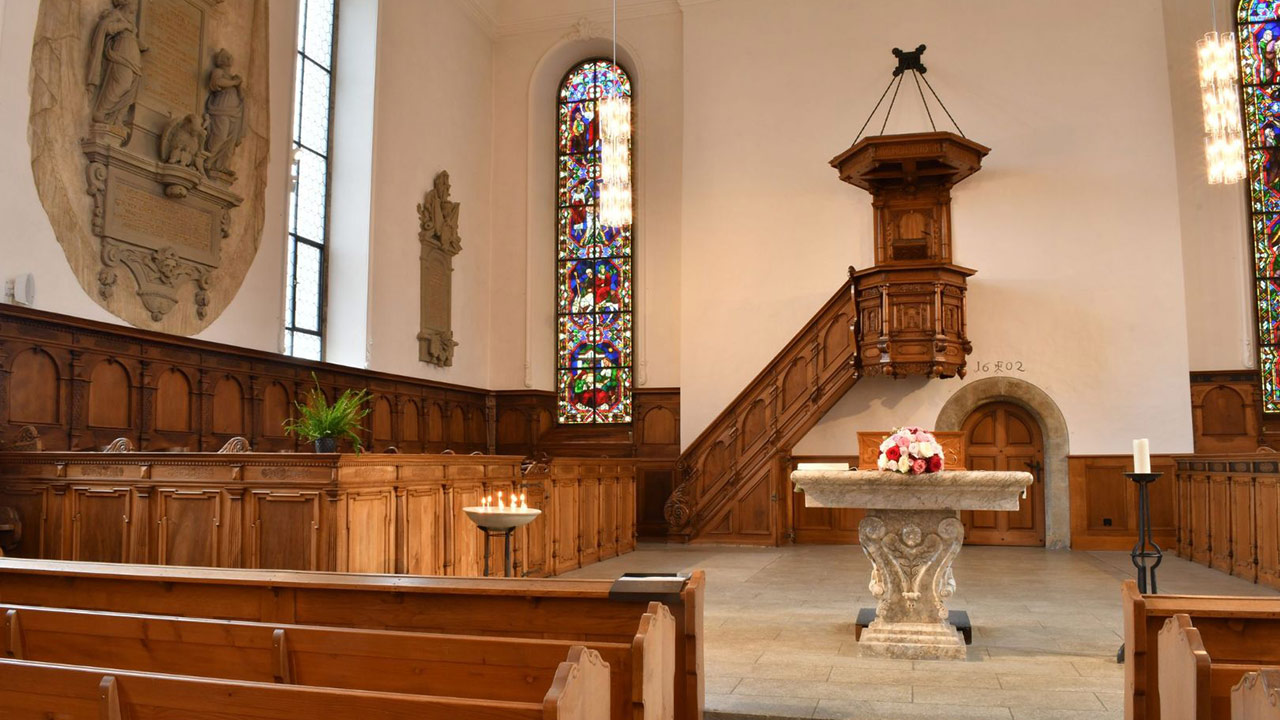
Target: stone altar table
[(911, 534)]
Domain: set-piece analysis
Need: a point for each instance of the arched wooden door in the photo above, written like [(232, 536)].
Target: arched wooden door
[(1003, 436)]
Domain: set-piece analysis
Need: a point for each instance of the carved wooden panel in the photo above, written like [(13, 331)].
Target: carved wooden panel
[(109, 396), (368, 531), (228, 407), (411, 426), (100, 524), (286, 530), (1243, 528), (468, 546), (423, 528), (589, 510), (31, 502), (1229, 514), (34, 382), (276, 410), (1268, 515), (565, 533), (189, 525), (380, 422), (173, 401), (1225, 412)]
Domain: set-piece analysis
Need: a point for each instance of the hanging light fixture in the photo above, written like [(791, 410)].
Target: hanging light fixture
[(615, 150), (1220, 100)]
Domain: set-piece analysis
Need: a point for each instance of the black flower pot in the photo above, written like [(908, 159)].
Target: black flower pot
[(326, 445)]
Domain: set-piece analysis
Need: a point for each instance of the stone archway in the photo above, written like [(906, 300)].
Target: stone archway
[(1053, 426)]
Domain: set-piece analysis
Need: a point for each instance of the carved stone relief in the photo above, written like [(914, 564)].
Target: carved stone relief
[(149, 149), (439, 240)]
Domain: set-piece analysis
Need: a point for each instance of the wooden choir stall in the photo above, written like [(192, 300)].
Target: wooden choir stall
[(383, 513)]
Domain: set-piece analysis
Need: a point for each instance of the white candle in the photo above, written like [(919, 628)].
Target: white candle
[(1141, 456)]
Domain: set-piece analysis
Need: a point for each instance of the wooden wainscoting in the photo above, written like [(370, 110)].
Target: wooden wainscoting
[(356, 513), (1104, 503), (1228, 514), (1225, 411)]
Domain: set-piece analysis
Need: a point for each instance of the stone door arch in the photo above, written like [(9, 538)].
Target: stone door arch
[(1053, 428)]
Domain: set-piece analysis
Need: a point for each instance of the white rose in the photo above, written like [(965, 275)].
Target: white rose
[(913, 448), (926, 450), (904, 464), (888, 443), (882, 463)]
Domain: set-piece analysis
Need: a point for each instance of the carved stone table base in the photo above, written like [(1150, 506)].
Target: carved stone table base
[(911, 553)]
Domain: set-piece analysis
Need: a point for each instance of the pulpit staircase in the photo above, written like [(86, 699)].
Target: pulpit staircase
[(732, 480)]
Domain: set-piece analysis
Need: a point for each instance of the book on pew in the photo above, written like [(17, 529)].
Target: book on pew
[(647, 587)]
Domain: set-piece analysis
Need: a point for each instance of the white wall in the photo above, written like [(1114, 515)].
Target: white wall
[(433, 112), (1072, 224), (253, 318)]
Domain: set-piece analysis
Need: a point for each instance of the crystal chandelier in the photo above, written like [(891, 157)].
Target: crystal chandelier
[(615, 151), (1220, 100)]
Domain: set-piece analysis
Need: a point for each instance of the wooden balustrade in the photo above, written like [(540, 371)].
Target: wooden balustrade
[(357, 513), (1227, 514)]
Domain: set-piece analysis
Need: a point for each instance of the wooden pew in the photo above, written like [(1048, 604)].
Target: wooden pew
[(1192, 685), (489, 668), (38, 691), (1232, 630), (1257, 696), (563, 609)]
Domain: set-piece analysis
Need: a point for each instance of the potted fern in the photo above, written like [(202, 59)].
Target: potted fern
[(324, 423)]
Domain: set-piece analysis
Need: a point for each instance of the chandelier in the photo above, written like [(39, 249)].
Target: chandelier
[(615, 151), (1220, 100)]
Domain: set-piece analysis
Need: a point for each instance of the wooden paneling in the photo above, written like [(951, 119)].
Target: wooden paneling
[(1228, 514), (83, 384), (1104, 503), (1225, 411), (351, 513)]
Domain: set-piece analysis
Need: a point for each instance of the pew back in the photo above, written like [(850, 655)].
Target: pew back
[(579, 610), (1257, 696), (1239, 630), (37, 691), (1192, 685)]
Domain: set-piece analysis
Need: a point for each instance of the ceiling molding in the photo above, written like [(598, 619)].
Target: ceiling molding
[(480, 14), (594, 18)]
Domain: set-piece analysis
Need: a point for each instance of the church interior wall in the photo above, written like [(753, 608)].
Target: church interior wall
[(254, 317), (1072, 224)]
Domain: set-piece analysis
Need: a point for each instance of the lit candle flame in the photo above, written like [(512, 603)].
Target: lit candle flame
[(523, 503)]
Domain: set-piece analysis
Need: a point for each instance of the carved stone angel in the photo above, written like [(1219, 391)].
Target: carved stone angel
[(115, 63), (438, 216), (181, 143), (224, 113)]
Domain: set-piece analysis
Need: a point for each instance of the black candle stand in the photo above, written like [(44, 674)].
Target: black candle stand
[(1145, 550)]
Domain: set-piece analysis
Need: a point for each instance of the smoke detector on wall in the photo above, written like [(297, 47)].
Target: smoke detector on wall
[(21, 290)]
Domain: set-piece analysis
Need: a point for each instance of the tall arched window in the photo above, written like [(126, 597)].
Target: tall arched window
[(593, 262), (1258, 33)]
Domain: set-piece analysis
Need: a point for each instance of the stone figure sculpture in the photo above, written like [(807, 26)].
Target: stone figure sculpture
[(438, 216), (182, 142), (115, 63), (224, 114)]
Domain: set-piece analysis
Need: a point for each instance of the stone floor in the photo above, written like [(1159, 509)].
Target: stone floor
[(779, 632)]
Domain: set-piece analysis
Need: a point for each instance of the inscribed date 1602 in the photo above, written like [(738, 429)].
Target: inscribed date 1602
[(997, 367)]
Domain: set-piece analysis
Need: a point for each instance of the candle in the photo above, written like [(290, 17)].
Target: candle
[(1141, 456), (523, 503)]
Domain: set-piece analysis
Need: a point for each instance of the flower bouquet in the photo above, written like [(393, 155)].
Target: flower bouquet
[(911, 451)]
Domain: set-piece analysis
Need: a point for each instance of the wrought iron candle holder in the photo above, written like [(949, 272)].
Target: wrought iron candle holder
[(1146, 554)]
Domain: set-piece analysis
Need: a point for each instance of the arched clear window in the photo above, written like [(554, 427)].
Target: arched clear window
[(593, 261)]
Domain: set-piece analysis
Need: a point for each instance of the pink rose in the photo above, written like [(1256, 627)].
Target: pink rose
[(902, 441), (918, 466)]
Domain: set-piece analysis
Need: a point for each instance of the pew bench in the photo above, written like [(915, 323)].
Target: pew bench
[(38, 691), (1240, 630), (642, 672), (1194, 686), (561, 609), (1257, 696)]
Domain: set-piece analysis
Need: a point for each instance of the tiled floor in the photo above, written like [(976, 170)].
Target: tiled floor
[(779, 632)]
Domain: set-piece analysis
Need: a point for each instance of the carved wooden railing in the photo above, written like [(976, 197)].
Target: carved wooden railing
[(730, 478)]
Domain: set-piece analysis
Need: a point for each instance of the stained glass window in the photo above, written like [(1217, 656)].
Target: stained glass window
[(309, 194), (593, 261)]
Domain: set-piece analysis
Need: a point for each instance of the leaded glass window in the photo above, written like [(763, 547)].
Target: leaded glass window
[(593, 266), (309, 195)]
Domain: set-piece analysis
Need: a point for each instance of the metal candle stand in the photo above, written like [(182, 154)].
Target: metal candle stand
[(1141, 555), (505, 534)]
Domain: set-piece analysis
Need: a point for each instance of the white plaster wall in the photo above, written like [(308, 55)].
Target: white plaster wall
[(253, 318), (433, 112), (528, 67), (1215, 235), (1072, 223)]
